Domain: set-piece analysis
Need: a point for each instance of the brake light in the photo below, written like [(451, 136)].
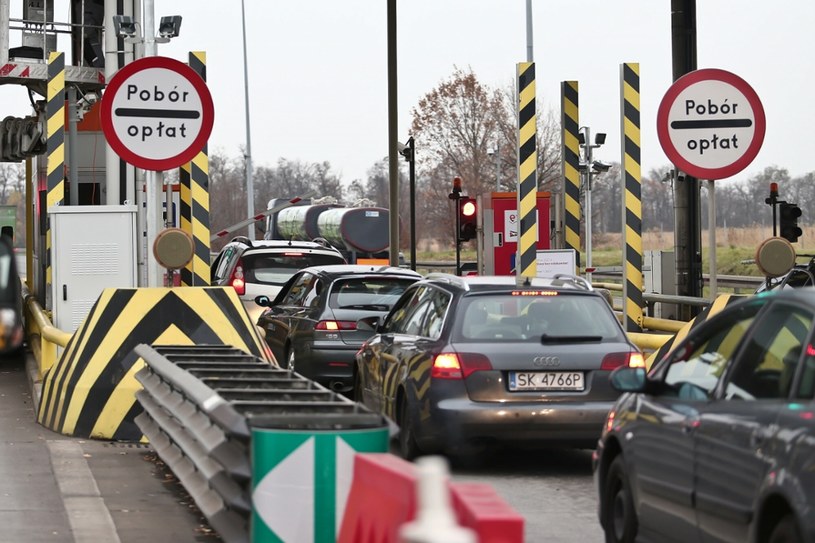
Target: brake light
[(458, 366), (336, 325), (236, 280), (633, 359), (239, 286), (446, 366), (292, 254)]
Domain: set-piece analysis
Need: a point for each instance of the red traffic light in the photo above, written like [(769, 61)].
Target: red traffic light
[(467, 218)]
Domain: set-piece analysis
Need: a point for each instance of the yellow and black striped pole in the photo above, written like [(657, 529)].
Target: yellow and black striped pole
[(55, 150), (194, 200), (632, 196), (527, 172), (570, 164)]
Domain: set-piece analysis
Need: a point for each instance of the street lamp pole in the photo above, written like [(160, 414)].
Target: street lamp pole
[(586, 166), (250, 186)]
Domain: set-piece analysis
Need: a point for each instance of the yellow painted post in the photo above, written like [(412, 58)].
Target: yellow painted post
[(55, 150), (194, 200), (570, 164), (525, 265), (632, 196)]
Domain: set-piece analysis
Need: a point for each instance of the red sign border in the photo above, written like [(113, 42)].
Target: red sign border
[(207, 113), (708, 74)]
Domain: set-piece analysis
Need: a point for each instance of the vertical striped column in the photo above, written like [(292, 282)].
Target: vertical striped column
[(632, 196), (194, 200), (570, 163), (527, 171), (54, 149)]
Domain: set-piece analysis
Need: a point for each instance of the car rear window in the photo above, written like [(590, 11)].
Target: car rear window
[(278, 267), (528, 315), (376, 293)]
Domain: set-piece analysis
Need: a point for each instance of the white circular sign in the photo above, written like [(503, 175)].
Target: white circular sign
[(711, 124), (157, 113)]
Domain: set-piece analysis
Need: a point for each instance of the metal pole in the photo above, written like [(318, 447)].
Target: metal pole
[(250, 185), (393, 127), (412, 178), (588, 201), (456, 235), (529, 47), (711, 225), (497, 168), (73, 171), (111, 65), (152, 180), (5, 22)]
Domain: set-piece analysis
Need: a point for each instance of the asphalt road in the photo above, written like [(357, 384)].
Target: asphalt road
[(552, 489)]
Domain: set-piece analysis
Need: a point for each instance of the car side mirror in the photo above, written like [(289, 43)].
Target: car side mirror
[(369, 324), (626, 379), (263, 301)]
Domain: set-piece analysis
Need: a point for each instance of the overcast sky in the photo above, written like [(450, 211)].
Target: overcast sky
[(318, 68)]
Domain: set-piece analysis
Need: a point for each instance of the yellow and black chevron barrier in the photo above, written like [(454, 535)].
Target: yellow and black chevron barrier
[(91, 391), (194, 199), (632, 197), (718, 304), (527, 172), (54, 149), (570, 149)]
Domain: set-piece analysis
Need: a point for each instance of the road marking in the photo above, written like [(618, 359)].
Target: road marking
[(87, 513)]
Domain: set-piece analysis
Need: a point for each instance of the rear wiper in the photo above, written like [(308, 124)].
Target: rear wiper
[(546, 338)]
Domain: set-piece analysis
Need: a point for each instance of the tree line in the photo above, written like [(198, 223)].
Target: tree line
[(466, 128)]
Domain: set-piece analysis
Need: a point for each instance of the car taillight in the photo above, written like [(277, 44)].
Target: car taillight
[(236, 280), (336, 325), (458, 366), (631, 359)]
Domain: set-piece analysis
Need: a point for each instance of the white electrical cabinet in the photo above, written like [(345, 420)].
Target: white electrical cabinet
[(92, 248)]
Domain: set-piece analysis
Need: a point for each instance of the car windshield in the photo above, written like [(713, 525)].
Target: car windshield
[(278, 267), (377, 293), (532, 316)]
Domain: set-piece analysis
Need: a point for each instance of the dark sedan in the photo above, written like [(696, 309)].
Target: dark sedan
[(311, 326), (11, 308), (717, 441), (464, 363)]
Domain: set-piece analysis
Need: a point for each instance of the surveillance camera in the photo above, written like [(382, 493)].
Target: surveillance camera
[(90, 98), (600, 166)]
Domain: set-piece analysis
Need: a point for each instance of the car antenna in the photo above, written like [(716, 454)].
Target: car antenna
[(527, 282)]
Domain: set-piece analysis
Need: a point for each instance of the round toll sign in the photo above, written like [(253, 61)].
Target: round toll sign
[(711, 124), (157, 113)]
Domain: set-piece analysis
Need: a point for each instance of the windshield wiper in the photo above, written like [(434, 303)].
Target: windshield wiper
[(546, 338)]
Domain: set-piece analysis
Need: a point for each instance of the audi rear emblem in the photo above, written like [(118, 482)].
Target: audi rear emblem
[(546, 361)]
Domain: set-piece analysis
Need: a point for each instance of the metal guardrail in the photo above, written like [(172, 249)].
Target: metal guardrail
[(43, 337), (202, 405)]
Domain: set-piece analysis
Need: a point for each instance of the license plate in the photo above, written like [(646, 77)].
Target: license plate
[(546, 380)]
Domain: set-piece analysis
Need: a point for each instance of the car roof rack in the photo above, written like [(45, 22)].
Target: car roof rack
[(576, 280), (242, 239), (449, 279)]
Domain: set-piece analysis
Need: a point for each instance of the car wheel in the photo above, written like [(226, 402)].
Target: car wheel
[(619, 516), (408, 447), (786, 531), (357, 392)]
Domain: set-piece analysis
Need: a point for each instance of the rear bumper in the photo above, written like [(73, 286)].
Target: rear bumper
[(330, 364), (572, 424)]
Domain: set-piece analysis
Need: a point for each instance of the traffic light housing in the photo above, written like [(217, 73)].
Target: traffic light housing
[(789, 228), (467, 214)]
